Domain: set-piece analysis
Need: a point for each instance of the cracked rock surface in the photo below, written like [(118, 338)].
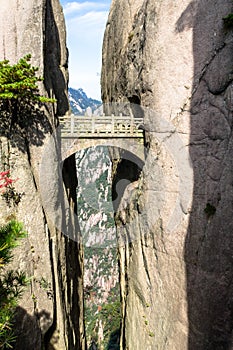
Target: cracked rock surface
[(50, 313), (175, 59)]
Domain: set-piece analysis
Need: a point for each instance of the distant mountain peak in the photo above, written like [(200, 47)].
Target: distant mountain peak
[(79, 101)]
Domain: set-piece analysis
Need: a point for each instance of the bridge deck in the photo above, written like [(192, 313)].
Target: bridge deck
[(101, 126)]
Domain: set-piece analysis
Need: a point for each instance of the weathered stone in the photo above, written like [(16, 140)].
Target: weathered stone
[(50, 313), (175, 58)]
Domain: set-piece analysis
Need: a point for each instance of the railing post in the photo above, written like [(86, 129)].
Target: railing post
[(119, 126), (72, 124), (131, 124), (113, 123), (92, 124)]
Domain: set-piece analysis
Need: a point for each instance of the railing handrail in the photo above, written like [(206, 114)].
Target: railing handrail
[(104, 117)]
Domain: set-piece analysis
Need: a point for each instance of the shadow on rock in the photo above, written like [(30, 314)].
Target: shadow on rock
[(29, 329), (209, 243), (24, 127)]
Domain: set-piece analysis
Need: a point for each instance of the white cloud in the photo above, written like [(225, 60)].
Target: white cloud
[(93, 20), (72, 8)]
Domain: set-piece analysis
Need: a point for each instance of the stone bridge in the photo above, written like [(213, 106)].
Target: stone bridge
[(80, 132)]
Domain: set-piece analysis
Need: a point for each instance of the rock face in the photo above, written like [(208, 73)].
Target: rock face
[(175, 234), (50, 314)]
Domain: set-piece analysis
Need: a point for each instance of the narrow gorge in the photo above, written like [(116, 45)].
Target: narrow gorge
[(170, 63)]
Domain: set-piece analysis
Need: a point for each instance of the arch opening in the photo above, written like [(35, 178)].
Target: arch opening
[(103, 174)]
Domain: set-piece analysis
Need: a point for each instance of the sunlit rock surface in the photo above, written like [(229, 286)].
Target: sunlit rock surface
[(175, 59), (51, 310)]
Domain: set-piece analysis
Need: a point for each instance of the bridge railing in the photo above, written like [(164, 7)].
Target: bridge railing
[(101, 126)]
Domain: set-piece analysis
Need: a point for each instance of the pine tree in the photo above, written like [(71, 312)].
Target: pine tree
[(19, 90), (18, 82)]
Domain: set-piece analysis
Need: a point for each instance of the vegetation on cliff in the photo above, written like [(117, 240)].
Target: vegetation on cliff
[(19, 91), (11, 282), (18, 82), (108, 317), (96, 218)]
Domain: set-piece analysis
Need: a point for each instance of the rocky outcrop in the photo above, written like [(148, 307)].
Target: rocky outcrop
[(175, 226), (50, 314)]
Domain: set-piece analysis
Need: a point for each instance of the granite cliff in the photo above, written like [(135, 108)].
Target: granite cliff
[(174, 59), (50, 314), (174, 222)]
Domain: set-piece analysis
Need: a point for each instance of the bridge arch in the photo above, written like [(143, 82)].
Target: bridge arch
[(132, 146)]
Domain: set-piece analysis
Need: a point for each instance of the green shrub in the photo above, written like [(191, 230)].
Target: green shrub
[(11, 282), (228, 20), (209, 210)]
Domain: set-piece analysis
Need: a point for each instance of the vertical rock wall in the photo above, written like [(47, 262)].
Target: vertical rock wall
[(50, 313), (175, 235)]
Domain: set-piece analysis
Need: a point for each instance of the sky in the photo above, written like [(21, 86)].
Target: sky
[(85, 24)]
